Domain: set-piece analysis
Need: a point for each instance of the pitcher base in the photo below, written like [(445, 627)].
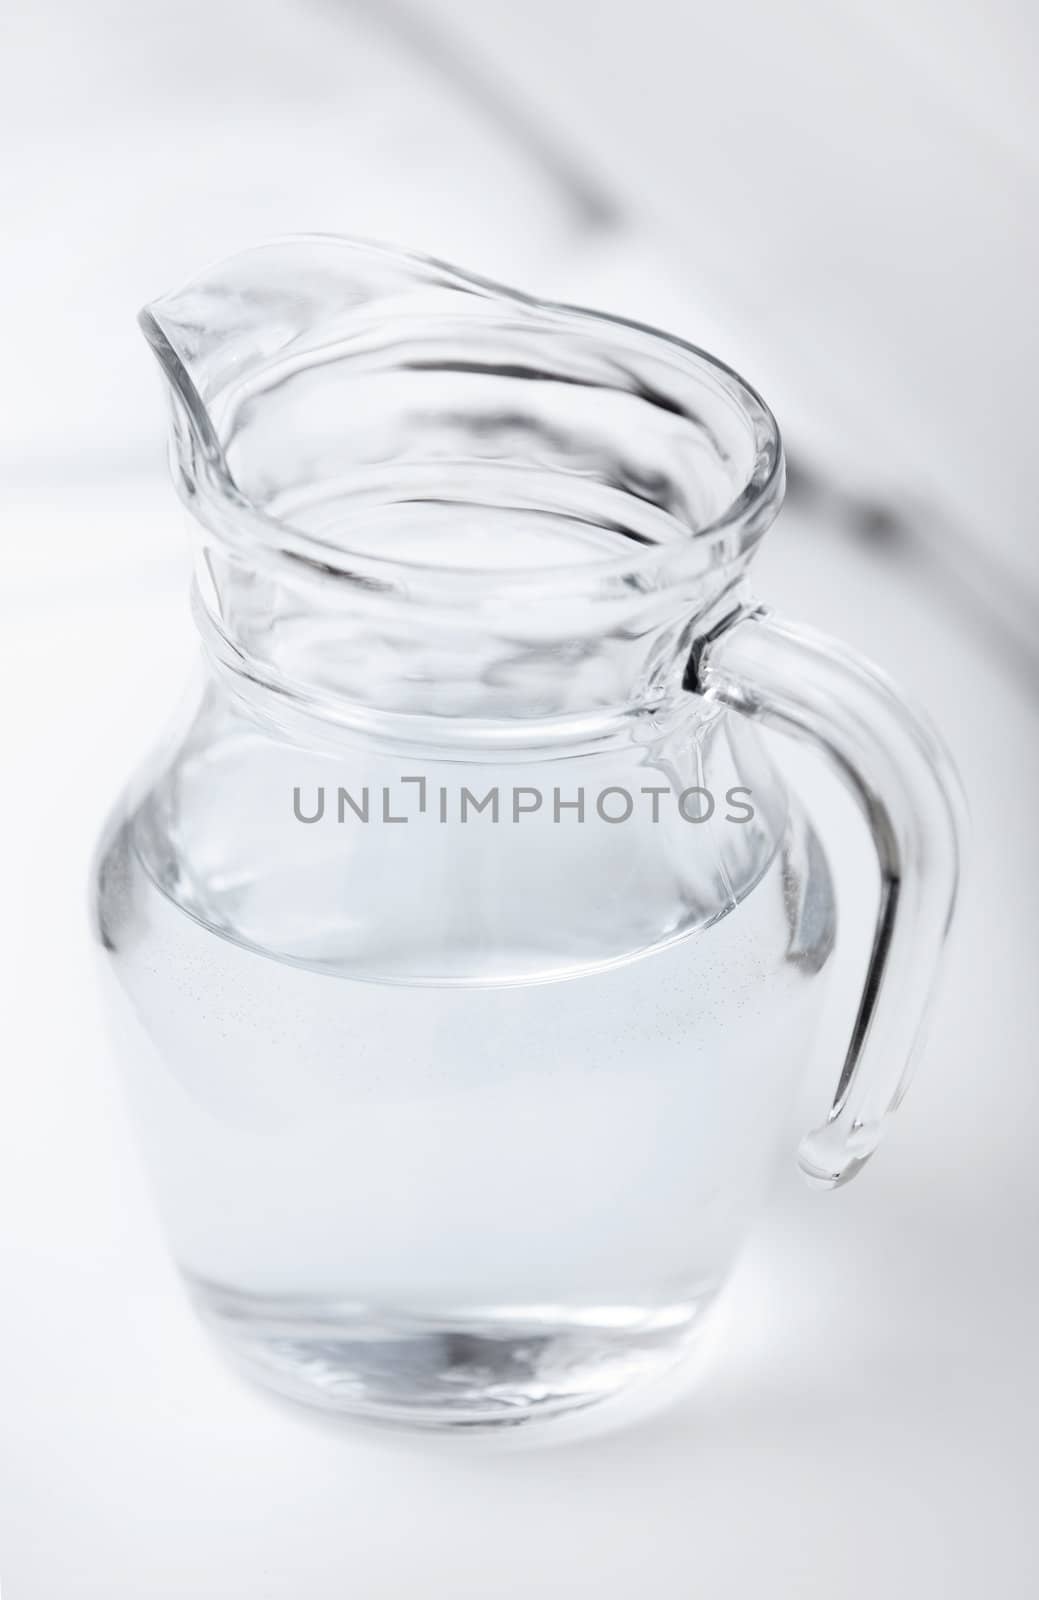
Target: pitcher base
[(479, 1372)]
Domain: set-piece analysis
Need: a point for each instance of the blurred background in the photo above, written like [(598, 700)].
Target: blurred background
[(840, 200)]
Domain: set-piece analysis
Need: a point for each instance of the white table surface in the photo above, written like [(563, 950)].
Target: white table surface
[(865, 1421)]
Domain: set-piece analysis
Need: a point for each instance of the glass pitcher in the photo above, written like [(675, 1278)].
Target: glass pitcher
[(466, 945)]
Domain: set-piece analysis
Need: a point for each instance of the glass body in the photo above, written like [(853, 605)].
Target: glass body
[(464, 943)]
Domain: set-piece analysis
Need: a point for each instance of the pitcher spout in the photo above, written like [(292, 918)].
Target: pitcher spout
[(214, 338)]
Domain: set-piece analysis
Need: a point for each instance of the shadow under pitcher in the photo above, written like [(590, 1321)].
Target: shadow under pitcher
[(464, 944)]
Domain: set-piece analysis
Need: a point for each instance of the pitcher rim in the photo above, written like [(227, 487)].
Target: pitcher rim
[(744, 519)]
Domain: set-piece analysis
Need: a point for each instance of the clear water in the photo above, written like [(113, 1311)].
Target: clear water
[(462, 1203)]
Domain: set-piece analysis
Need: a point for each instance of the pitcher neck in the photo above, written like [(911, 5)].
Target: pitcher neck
[(317, 653)]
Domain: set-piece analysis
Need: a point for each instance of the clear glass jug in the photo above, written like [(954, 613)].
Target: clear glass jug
[(466, 944)]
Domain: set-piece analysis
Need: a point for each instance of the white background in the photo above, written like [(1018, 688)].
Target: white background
[(865, 1418)]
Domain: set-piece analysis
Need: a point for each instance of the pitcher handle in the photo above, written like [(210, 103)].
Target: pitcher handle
[(803, 683)]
